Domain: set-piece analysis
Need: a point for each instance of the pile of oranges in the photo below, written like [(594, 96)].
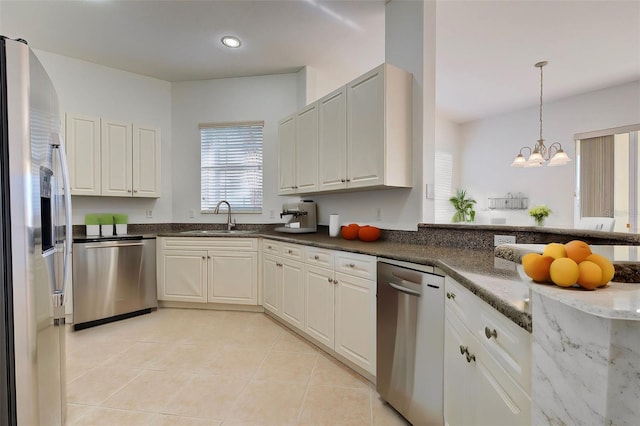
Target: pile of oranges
[(569, 264)]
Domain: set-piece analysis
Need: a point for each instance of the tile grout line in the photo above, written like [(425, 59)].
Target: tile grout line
[(306, 391)]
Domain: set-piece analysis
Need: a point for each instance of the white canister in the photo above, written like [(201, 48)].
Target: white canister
[(107, 230), (121, 229), (93, 230), (334, 226)]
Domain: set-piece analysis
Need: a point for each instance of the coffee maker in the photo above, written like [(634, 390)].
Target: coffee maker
[(302, 218)]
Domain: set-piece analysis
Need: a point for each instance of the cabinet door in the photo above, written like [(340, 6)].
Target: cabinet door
[(293, 293), (233, 278), (365, 129), (117, 160), (498, 399), (83, 151), (271, 283), (286, 155), (146, 161), (307, 149), (182, 276), (355, 318), (458, 375), (332, 140), (319, 304)]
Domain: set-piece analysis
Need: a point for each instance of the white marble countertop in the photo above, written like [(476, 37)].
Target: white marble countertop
[(614, 301)]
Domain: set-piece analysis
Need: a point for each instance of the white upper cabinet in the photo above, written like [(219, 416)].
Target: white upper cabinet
[(146, 161), (83, 152), (332, 140), (363, 136), (112, 158), (379, 135), (287, 155), (117, 159), (307, 149), (298, 152)]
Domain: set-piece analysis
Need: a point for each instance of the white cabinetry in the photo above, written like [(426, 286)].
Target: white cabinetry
[(298, 152), (363, 136), (112, 158), (208, 270), (287, 155), (328, 295), (332, 141), (379, 131), (83, 152), (487, 367), (284, 281), (307, 149)]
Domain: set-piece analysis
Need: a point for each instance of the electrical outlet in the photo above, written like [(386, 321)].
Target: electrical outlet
[(149, 213), (192, 213), (503, 239), (379, 214), (272, 214)]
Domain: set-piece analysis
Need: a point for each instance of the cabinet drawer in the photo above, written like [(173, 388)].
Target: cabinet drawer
[(292, 251), (319, 257), (507, 342), (359, 265), (271, 247), (210, 243), (461, 301)]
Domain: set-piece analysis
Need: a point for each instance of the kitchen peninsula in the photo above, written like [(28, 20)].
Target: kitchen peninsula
[(585, 356)]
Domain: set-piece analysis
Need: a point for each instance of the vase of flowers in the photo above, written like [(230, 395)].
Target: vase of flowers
[(464, 207), (539, 214)]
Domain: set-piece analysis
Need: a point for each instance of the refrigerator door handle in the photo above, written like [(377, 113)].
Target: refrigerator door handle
[(58, 145)]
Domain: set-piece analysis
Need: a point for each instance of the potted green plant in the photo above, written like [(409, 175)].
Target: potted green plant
[(464, 207), (539, 214)]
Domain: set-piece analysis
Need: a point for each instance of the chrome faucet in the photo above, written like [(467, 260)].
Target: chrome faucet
[(230, 225)]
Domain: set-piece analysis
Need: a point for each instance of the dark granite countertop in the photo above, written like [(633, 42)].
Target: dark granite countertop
[(498, 284)]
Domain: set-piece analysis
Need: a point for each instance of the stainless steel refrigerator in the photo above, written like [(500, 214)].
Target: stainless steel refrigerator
[(35, 242)]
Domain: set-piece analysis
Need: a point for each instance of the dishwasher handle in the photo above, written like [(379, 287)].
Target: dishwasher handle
[(95, 246), (401, 288)]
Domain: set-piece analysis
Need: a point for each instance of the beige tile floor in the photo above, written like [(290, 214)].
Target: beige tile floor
[(197, 367)]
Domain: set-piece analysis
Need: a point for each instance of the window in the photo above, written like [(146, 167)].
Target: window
[(231, 166)]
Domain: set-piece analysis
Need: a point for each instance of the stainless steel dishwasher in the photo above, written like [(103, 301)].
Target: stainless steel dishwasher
[(410, 340), (113, 278)]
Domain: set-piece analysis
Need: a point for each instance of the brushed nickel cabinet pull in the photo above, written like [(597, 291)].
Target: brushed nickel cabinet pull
[(490, 333)]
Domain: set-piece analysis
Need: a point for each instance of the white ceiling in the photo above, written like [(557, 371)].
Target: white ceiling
[(485, 49)]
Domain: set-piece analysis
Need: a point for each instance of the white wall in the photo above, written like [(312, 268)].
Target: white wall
[(490, 145), (447, 171), (266, 98), (96, 90)]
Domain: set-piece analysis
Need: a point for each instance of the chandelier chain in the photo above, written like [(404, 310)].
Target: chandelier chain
[(541, 102)]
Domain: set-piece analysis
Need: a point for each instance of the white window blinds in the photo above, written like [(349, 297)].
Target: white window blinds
[(231, 166)]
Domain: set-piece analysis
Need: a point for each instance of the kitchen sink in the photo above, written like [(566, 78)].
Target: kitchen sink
[(219, 232)]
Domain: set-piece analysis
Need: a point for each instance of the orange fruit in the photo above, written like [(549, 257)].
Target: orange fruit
[(555, 250), (350, 232), (368, 233), (564, 272), (577, 250), (537, 266), (589, 275), (605, 265)]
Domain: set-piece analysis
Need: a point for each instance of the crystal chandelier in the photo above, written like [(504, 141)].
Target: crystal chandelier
[(540, 153)]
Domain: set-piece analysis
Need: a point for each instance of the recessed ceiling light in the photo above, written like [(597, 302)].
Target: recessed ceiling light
[(231, 41)]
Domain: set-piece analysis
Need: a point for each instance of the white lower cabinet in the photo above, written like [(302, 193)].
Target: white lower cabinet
[(355, 319), (232, 277), (208, 270), (480, 388), (320, 304), (283, 288), (329, 295)]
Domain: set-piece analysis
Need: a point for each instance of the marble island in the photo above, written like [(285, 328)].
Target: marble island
[(586, 346)]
